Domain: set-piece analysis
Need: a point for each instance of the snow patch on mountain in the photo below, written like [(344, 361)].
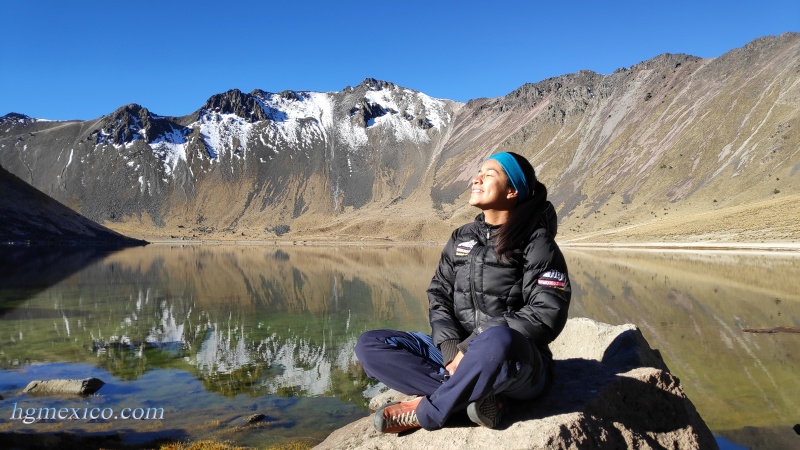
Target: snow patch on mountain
[(436, 112), (405, 108), (351, 135), (221, 132), (170, 148), (103, 138), (300, 106), (298, 119)]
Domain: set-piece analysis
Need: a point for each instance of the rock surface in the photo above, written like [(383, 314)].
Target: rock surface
[(87, 386), (612, 391)]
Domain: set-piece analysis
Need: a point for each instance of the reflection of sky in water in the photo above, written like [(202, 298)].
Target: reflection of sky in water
[(203, 324)]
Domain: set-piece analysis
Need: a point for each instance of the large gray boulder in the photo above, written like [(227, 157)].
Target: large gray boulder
[(612, 391), (86, 386)]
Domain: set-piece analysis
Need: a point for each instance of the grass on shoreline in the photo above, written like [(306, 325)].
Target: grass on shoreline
[(221, 445)]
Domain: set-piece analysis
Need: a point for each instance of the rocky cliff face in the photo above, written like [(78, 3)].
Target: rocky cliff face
[(675, 135)]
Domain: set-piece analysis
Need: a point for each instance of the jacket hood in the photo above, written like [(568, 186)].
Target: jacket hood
[(549, 218)]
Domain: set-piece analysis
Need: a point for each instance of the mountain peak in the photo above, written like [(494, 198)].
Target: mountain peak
[(666, 60), (237, 103), (376, 85), (16, 118), (129, 123)]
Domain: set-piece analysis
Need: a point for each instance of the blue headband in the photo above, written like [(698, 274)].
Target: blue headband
[(514, 173)]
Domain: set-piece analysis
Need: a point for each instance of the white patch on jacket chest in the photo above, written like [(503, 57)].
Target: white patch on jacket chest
[(463, 248)]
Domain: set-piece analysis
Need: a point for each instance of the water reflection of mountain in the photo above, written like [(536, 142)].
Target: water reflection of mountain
[(25, 270), (289, 279), (260, 320), (694, 308), (267, 320)]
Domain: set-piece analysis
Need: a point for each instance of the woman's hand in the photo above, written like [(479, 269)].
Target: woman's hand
[(453, 365)]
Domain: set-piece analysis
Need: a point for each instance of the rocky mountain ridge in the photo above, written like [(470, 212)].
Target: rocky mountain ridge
[(674, 136)]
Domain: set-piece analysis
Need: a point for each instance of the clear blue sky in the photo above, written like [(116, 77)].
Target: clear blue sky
[(80, 59)]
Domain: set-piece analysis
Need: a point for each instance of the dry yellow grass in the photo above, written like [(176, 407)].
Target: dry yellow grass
[(773, 220), (767, 221), (217, 445), (200, 445)]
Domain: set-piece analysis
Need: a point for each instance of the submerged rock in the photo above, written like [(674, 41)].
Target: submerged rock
[(611, 391), (254, 418), (87, 386)]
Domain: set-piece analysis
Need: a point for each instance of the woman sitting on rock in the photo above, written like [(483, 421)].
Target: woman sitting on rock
[(499, 295)]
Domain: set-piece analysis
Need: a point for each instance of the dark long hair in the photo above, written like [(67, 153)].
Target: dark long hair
[(525, 217)]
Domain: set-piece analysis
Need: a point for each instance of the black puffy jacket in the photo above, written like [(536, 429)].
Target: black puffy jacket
[(472, 290)]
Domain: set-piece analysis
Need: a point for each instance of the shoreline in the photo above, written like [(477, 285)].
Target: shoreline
[(787, 247), (770, 247)]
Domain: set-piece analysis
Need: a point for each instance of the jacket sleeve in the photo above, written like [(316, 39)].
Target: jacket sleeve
[(444, 325), (546, 292)]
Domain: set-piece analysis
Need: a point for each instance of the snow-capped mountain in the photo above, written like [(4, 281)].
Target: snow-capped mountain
[(230, 123), (336, 144), (381, 160)]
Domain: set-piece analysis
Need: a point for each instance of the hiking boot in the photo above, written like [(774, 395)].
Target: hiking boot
[(397, 417), (487, 412)]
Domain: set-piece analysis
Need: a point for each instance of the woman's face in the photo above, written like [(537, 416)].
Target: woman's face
[(490, 189)]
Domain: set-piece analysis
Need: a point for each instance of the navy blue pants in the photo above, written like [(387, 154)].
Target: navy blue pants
[(498, 361)]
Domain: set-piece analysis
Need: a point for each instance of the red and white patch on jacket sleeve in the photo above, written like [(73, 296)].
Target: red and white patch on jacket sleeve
[(553, 279)]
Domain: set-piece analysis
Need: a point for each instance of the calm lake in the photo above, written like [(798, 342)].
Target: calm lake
[(205, 336)]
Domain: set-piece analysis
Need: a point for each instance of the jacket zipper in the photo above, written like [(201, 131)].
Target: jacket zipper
[(472, 290), (472, 258)]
